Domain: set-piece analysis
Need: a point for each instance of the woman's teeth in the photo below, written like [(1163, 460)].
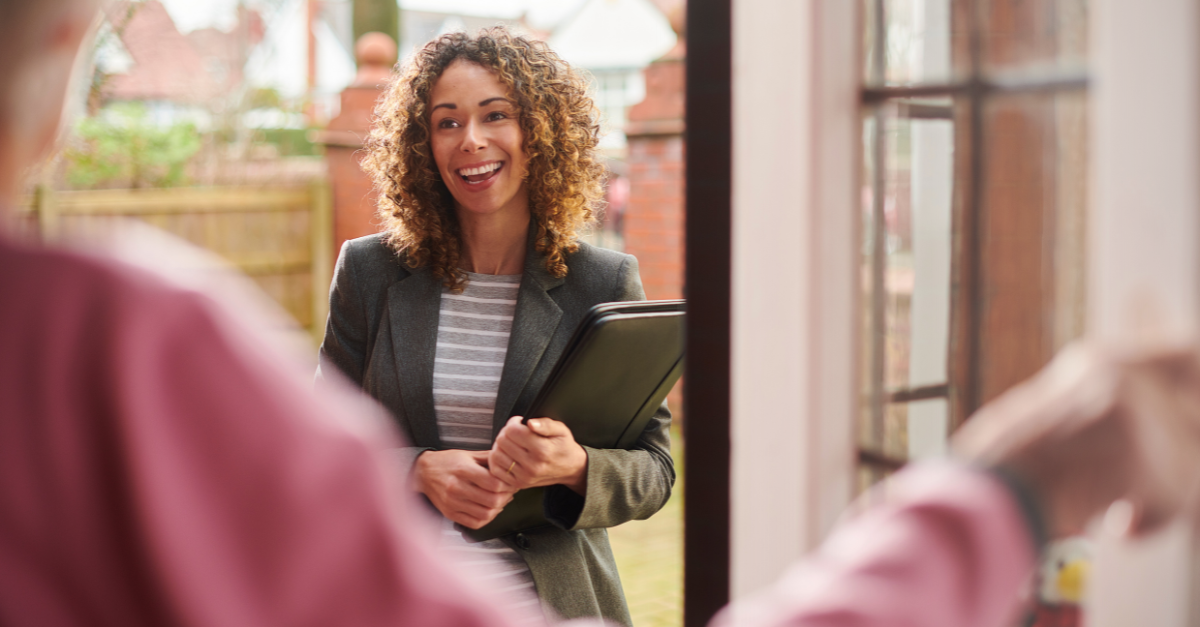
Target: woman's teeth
[(483, 169)]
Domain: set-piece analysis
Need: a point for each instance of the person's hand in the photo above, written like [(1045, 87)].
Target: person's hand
[(1099, 424), (459, 485), (540, 453)]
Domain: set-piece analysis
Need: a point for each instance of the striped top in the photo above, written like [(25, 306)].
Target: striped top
[(472, 341)]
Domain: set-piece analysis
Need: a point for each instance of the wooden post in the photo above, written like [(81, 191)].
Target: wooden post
[(48, 219), (353, 196), (312, 12), (321, 231)]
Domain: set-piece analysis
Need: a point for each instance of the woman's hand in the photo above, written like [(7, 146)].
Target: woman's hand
[(540, 453), (459, 485)]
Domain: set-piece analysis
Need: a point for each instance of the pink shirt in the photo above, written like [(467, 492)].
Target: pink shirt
[(950, 548), (156, 469)]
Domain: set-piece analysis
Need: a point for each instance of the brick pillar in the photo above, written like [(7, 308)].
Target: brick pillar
[(353, 196), (653, 221)]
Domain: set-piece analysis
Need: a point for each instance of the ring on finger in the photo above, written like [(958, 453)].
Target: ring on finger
[(511, 466)]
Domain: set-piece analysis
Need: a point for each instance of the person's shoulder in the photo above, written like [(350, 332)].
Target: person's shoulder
[(589, 259), (84, 299), (603, 275), (372, 250), (372, 260), (66, 277)]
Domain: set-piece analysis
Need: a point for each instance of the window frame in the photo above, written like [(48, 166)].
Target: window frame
[(972, 92)]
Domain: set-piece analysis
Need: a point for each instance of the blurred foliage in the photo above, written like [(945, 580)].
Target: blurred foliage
[(124, 145), (264, 98), (376, 15), (291, 142)]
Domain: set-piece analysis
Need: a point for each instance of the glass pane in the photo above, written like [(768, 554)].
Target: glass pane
[(906, 261), (927, 425), (1033, 245), (918, 188), (1035, 35), (916, 41)]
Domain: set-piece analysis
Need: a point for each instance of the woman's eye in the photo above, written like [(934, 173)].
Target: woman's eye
[(447, 123), (496, 115)]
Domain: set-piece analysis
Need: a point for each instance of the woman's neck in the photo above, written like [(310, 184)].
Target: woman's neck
[(494, 243)]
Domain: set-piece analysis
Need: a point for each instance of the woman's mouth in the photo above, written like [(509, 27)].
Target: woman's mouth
[(478, 174)]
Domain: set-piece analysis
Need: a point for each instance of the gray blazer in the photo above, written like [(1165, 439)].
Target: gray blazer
[(382, 333)]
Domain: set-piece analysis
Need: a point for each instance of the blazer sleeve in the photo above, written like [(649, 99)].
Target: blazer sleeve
[(347, 333), (343, 349), (622, 485)]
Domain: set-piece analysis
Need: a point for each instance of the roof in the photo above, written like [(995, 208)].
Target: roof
[(167, 65), (614, 34)]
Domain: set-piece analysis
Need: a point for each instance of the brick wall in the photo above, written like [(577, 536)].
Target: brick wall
[(654, 217), (353, 196)]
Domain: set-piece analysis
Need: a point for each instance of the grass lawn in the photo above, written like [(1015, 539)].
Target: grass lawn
[(650, 557)]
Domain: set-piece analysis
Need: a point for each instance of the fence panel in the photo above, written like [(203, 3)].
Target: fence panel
[(280, 237)]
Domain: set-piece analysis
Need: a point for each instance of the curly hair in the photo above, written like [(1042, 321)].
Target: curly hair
[(561, 130)]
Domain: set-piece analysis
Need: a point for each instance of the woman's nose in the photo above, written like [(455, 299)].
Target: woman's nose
[(473, 139)]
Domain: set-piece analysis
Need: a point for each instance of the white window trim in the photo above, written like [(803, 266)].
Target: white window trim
[(795, 320), (1144, 247)]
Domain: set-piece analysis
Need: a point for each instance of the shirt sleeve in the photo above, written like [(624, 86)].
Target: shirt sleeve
[(949, 548)]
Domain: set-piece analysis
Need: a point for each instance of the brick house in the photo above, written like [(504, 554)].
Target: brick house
[(146, 59)]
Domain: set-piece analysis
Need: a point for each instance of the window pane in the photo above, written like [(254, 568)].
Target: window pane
[(917, 188), (906, 271), (927, 425), (918, 41), (1035, 35), (1034, 217)]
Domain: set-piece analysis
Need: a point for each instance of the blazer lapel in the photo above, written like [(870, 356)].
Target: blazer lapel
[(413, 305), (534, 324)]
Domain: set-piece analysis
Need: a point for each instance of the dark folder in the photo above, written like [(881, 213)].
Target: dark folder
[(616, 370)]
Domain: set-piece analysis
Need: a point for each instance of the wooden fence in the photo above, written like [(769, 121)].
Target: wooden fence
[(280, 237)]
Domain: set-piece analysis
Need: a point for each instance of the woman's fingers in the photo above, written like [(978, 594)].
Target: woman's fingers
[(487, 479), (549, 428), (481, 476), (469, 493), (457, 482), (540, 452), (511, 464), (474, 517)]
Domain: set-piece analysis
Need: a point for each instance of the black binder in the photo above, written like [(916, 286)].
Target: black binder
[(616, 370)]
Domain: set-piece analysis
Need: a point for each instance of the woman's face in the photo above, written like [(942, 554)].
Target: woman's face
[(477, 141)]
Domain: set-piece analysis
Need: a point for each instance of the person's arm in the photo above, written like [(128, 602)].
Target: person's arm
[(347, 332), (612, 486), (949, 548)]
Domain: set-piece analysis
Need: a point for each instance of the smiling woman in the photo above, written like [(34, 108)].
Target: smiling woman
[(478, 148), (484, 153), (493, 83)]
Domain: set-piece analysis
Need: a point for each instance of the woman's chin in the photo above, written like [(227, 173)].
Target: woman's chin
[(476, 210)]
